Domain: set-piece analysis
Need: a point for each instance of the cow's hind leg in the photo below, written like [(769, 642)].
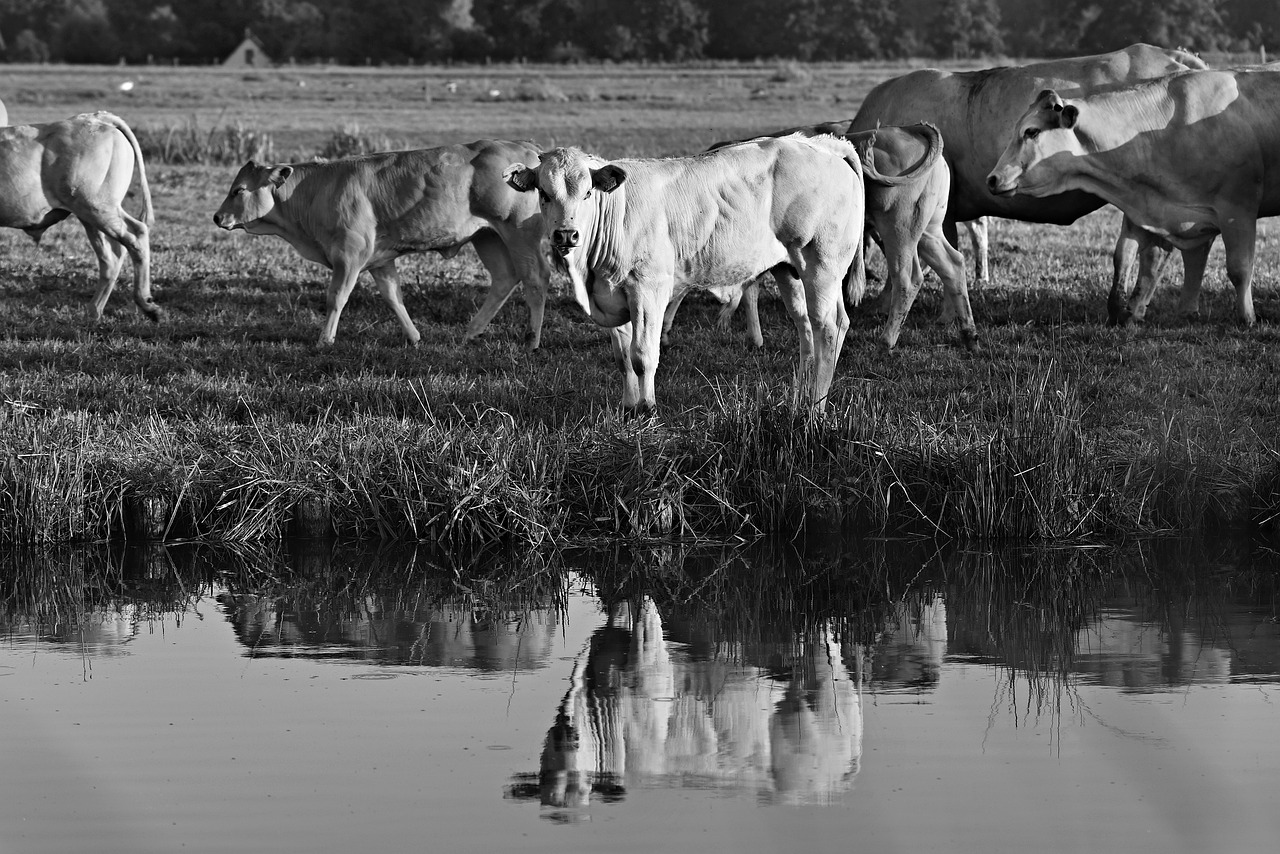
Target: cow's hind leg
[(948, 263), (1153, 255), (1239, 239), (388, 282), (980, 237), (110, 259), (506, 270), (134, 235)]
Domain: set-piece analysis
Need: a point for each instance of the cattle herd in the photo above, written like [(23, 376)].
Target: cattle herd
[(1185, 152)]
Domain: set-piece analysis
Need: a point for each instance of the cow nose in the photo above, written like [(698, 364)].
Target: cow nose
[(567, 237), (219, 219)]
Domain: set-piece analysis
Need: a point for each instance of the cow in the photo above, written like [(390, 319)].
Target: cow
[(907, 185), (1186, 157), (974, 111), (82, 167), (363, 213), (635, 234)]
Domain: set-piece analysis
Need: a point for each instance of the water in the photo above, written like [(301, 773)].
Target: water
[(758, 702)]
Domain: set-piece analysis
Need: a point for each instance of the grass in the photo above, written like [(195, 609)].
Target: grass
[(230, 424)]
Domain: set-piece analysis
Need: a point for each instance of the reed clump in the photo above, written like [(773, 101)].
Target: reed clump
[(188, 143), (749, 464)]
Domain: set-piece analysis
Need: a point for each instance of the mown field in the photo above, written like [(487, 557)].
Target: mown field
[(228, 423)]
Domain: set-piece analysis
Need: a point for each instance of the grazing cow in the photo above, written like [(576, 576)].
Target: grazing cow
[(81, 166), (1186, 157), (365, 212), (907, 185), (636, 234), (974, 111)]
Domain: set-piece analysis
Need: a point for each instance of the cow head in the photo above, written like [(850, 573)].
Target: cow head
[(1045, 129), (566, 181), (251, 196)]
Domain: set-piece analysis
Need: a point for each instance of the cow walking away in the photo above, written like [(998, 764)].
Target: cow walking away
[(1186, 157), (907, 185), (82, 167), (635, 234), (363, 213), (974, 110)]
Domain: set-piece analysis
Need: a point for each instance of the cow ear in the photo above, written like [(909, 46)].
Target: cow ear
[(279, 174), (1070, 114), (520, 177), (608, 178)]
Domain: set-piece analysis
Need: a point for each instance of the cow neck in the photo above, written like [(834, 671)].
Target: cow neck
[(592, 261), (294, 208)]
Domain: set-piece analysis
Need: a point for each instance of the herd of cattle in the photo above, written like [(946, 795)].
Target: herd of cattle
[(1186, 153)]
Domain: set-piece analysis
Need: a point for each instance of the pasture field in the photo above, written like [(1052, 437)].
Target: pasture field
[(228, 423)]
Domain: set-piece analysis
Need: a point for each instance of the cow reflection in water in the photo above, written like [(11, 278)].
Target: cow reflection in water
[(640, 713)]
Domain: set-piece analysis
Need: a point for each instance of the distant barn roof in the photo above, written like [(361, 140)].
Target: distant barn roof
[(249, 54)]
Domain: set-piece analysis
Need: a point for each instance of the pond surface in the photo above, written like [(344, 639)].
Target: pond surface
[(757, 703)]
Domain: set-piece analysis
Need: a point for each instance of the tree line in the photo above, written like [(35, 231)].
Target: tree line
[(435, 31)]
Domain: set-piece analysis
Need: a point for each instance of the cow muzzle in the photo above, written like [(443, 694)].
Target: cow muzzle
[(564, 239), (224, 220), (994, 185)]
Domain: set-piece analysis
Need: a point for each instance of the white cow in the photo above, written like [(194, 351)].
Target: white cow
[(1186, 157), (365, 212), (635, 234), (82, 166)]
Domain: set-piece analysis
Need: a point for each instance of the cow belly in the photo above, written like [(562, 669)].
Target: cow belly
[(24, 208)]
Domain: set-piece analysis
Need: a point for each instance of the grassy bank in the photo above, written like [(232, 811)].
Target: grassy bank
[(227, 423)]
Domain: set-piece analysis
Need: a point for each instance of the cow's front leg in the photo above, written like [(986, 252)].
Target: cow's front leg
[(647, 304), (341, 284), (1193, 263), (1153, 255), (1239, 239), (620, 338)]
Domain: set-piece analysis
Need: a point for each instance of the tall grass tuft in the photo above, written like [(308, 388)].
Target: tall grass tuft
[(350, 141), (222, 145)]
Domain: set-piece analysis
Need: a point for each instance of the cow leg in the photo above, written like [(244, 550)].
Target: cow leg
[(341, 283), (828, 320), (1121, 261), (1239, 239), (620, 338), (388, 282), (669, 316), (905, 278), (749, 296), (1193, 263), (793, 301), (134, 236), (945, 260), (647, 306), (884, 300), (110, 259), (505, 272), (1153, 255), (979, 236)]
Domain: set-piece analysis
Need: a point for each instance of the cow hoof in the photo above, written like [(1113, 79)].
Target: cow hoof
[(531, 341), (155, 314)]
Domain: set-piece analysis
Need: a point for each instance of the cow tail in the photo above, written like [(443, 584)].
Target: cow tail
[(855, 280), (935, 151), (148, 213)]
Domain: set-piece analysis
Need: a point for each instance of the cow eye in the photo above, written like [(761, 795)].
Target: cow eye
[(1031, 133)]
